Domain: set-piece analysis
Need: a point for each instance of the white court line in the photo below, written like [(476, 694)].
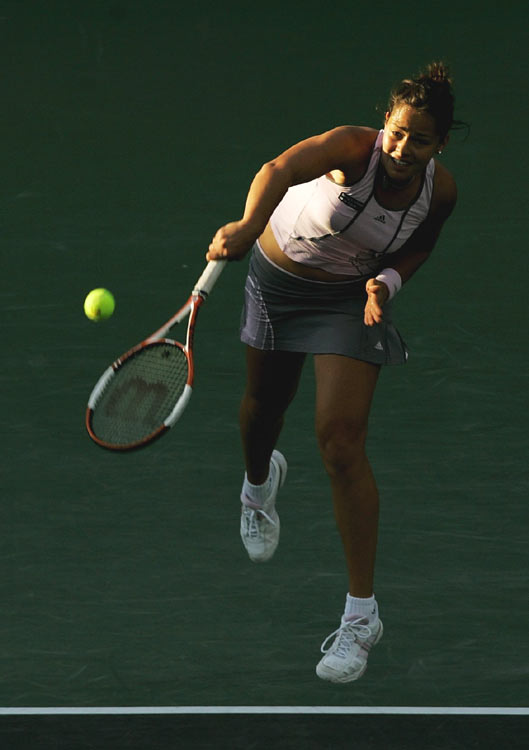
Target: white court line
[(289, 710)]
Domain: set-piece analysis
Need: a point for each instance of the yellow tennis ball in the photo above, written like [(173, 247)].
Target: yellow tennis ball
[(99, 304)]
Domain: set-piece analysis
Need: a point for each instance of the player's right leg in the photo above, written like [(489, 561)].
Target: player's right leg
[(272, 382)]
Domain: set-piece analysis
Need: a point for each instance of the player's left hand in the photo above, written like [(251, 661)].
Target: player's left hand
[(377, 295)]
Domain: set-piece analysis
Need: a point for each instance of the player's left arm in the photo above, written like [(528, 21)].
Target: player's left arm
[(416, 250)]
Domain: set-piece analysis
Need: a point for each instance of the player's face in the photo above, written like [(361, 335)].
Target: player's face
[(410, 140)]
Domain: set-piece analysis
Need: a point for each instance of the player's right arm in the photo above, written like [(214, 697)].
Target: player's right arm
[(343, 148)]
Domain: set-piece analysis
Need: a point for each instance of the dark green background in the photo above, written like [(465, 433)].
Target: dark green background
[(129, 133)]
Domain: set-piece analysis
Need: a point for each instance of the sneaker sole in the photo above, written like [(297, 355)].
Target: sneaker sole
[(331, 676), (281, 463)]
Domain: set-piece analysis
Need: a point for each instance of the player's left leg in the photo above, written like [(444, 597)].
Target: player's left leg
[(272, 381), (345, 389)]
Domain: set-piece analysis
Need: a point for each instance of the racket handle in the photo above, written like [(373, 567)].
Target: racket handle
[(209, 277)]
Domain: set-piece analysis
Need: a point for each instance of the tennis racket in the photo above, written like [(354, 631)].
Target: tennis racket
[(144, 392)]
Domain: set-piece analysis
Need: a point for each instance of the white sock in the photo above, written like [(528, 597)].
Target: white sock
[(358, 606), (257, 493)]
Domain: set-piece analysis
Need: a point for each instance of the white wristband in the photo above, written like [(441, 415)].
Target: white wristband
[(391, 279)]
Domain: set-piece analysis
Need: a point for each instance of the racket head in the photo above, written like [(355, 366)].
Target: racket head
[(141, 395)]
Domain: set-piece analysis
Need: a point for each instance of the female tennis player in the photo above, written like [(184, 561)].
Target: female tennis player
[(336, 224)]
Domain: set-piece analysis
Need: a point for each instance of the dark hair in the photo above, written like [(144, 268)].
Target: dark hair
[(428, 92)]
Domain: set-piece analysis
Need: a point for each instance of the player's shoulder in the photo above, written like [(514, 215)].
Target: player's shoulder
[(352, 145), (357, 135), (444, 190)]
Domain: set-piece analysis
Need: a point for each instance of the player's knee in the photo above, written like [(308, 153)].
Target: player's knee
[(259, 407), (342, 447)]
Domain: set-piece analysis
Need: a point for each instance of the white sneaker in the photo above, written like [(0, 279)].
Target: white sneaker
[(346, 659), (260, 524)]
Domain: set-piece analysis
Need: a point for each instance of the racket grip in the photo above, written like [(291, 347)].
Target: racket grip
[(209, 277)]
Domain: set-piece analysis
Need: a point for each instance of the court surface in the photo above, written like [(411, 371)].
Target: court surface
[(130, 132)]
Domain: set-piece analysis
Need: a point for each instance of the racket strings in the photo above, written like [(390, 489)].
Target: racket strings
[(141, 395)]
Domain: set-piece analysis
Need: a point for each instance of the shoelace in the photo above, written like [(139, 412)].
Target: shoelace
[(252, 525), (347, 634)]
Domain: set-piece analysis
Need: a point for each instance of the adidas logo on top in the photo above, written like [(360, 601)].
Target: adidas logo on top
[(381, 218)]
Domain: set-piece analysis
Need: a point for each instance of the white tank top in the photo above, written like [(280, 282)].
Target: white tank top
[(343, 229)]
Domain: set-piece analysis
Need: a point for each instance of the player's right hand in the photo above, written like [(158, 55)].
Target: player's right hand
[(231, 242)]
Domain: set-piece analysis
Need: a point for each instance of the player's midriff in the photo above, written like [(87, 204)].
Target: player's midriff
[(272, 250)]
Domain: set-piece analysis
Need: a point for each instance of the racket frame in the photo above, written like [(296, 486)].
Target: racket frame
[(198, 296)]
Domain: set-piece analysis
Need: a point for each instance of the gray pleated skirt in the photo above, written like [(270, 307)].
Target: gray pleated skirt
[(285, 312)]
